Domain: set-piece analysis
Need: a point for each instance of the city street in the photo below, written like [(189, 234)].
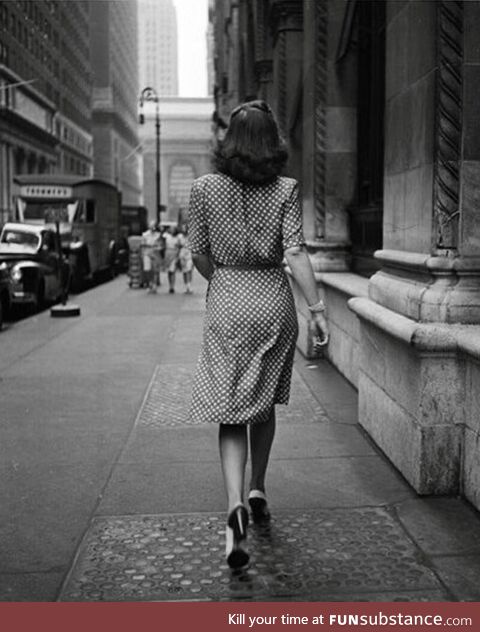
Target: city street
[(109, 494)]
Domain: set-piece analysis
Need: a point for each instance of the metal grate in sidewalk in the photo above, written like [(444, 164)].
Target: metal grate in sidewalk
[(168, 396), (167, 400), (339, 554)]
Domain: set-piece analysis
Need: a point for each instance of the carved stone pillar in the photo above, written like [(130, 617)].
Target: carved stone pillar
[(287, 20), (328, 140), (328, 154), (416, 333), (264, 72), (263, 51), (430, 272), (448, 132)]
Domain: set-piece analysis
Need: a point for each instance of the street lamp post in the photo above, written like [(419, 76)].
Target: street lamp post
[(149, 94)]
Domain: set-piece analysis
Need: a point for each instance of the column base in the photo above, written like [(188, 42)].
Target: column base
[(411, 392), (329, 256), (426, 288)]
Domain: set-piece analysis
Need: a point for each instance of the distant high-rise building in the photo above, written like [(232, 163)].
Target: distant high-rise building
[(114, 54), (158, 55), (45, 91)]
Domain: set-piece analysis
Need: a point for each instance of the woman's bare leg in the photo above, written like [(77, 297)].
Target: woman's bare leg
[(261, 439), (233, 456)]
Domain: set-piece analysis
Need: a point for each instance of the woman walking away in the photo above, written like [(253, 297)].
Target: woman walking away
[(243, 220)]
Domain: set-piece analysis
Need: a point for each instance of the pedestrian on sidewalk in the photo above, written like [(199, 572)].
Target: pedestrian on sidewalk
[(185, 260), (243, 221), (172, 251), (151, 256)]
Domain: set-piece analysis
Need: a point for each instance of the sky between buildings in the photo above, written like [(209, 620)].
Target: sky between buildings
[(192, 18)]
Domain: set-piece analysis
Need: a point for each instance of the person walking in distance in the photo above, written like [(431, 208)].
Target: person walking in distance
[(185, 260), (172, 251), (151, 256), (243, 220)]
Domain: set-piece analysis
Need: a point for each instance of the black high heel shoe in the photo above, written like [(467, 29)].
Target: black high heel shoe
[(237, 523), (258, 505)]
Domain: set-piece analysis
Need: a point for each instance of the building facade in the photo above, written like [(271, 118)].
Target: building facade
[(185, 152), (210, 37), (377, 100), (45, 91), (114, 54), (68, 93), (158, 46)]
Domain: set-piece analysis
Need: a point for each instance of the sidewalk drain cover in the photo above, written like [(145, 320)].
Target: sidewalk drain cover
[(168, 399), (311, 554)]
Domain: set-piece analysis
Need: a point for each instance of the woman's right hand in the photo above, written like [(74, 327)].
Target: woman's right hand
[(319, 330)]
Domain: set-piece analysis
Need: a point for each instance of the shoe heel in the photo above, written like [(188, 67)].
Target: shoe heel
[(259, 507), (238, 521)]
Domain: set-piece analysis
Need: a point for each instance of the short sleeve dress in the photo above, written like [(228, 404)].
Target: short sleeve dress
[(250, 328)]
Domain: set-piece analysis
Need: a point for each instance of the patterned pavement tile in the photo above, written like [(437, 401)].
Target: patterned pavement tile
[(300, 555), (167, 400), (168, 396)]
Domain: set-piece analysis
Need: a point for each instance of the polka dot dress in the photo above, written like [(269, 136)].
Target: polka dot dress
[(250, 329)]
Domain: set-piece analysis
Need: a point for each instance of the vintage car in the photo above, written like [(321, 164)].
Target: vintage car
[(38, 272)]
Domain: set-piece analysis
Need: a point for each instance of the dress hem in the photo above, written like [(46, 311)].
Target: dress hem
[(258, 419)]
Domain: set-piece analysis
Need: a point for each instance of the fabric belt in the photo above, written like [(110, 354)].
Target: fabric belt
[(248, 266)]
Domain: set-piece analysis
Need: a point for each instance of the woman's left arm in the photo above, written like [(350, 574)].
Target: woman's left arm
[(203, 264)]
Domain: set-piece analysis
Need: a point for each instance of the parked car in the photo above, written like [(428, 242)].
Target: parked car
[(38, 273), (4, 292)]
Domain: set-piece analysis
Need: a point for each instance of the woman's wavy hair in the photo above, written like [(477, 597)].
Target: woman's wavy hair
[(252, 150)]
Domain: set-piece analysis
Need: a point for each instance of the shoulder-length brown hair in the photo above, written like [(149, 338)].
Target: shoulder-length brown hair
[(252, 150)]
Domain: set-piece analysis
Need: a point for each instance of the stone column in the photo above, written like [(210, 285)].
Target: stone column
[(329, 174), (412, 380), (287, 20), (431, 264), (263, 52), (329, 137)]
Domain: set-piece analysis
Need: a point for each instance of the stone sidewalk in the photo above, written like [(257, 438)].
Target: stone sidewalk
[(111, 495)]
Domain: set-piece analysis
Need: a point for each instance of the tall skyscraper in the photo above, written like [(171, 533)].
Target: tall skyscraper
[(114, 55), (158, 54)]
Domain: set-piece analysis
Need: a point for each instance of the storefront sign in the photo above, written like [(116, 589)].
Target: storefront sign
[(52, 192)]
